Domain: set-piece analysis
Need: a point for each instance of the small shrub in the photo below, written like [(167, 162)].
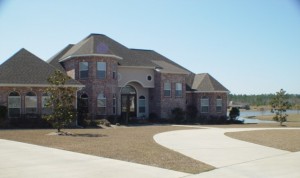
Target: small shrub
[(234, 113), (94, 123), (104, 122), (153, 117), (191, 113), (3, 111), (178, 115), (112, 119)]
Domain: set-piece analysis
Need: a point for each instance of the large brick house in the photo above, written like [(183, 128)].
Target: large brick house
[(111, 80)]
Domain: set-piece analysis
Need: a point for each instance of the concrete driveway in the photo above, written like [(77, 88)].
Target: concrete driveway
[(28, 161), (231, 157)]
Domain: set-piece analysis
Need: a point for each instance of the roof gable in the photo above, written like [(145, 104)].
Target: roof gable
[(206, 83), (24, 68), (96, 44)]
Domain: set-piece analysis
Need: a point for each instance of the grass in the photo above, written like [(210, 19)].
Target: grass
[(133, 144), (290, 118), (288, 140)]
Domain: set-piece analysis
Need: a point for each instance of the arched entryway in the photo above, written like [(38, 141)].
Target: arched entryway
[(128, 103)]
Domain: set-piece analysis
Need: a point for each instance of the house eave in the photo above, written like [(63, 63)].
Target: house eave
[(86, 55), (141, 67), (36, 85), (208, 92)]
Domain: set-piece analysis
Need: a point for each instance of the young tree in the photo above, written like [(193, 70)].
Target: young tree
[(234, 113), (61, 101), (279, 105)]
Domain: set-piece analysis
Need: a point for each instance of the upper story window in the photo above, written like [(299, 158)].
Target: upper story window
[(101, 70), (219, 104), (178, 90), (31, 103), (14, 104), (83, 70), (167, 89), (204, 104)]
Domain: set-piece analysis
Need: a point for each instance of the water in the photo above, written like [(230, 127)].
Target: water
[(244, 114)]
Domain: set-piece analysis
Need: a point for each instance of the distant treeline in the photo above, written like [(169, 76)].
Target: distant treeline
[(263, 99)]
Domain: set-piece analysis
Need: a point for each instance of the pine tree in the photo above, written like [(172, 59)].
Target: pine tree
[(279, 105)]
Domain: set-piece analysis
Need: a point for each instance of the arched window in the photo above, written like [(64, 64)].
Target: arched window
[(14, 104), (204, 104), (101, 104), (30, 103), (128, 89), (46, 109), (219, 104), (142, 104), (85, 100)]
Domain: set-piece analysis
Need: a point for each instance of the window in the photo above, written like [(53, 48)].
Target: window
[(219, 104), (204, 104), (101, 104), (178, 91), (142, 104), (167, 88), (114, 104), (83, 103), (101, 70), (83, 70), (14, 104), (46, 109), (114, 75), (30, 103)]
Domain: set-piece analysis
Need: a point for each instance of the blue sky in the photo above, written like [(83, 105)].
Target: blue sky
[(251, 47)]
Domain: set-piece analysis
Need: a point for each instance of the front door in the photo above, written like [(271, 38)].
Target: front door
[(128, 104)]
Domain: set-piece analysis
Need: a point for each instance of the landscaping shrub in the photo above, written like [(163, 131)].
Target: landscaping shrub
[(112, 119), (191, 113), (178, 115), (104, 122), (3, 112), (153, 117)]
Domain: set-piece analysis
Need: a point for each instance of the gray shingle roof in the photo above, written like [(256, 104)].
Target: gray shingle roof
[(206, 83), (24, 68), (166, 65), (98, 44), (54, 60)]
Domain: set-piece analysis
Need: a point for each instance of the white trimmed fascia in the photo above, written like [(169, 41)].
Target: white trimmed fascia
[(208, 92), (37, 85), (85, 55)]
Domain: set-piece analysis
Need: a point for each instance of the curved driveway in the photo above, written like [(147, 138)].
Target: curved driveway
[(231, 157)]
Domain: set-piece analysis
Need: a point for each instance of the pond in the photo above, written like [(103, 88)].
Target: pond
[(249, 113)]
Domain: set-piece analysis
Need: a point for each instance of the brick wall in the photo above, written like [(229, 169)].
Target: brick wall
[(5, 91), (162, 105), (194, 99), (93, 85)]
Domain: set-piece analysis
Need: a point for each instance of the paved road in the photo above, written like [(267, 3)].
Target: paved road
[(20, 160), (231, 157)]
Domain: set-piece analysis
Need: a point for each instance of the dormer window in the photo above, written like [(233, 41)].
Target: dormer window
[(101, 70), (83, 70)]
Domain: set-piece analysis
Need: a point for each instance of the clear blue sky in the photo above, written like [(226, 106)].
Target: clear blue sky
[(250, 46)]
